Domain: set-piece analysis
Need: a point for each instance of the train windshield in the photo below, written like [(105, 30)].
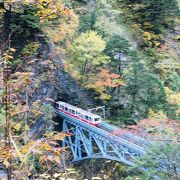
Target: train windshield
[(97, 119)]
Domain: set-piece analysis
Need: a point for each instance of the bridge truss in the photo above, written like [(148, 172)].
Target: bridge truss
[(87, 141)]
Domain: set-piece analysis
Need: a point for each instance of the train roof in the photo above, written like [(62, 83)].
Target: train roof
[(78, 109)]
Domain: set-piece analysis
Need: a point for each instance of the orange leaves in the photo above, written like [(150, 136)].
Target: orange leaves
[(103, 81), (44, 149), (157, 129), (25, 149), (51, 158), (107, 79), (5, 154)]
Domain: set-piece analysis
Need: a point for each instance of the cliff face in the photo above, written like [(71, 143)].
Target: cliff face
[(51, 81)]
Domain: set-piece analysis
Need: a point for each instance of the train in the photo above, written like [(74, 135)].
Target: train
[(78, 113)]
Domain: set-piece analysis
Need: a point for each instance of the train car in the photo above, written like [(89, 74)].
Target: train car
[(78, 113)]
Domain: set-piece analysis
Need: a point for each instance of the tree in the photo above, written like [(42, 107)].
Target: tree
[(145, 89), (18, 151), (86, 53), (103, 82), (162, 155), (118, 49), (149, 17), (87, 23), (173, 108)]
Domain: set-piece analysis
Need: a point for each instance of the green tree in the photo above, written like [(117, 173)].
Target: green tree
[(86, 53), (149, 17), (146, 90), (87, 23), (117, 48)]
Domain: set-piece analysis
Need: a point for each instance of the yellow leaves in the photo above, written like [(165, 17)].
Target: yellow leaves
[(156, 43), (20, 80), (87, 52), (147, 36), (152, 39), (25, 149), (9, 57), (91, 42), (63, 31), (136, 26), (36, 108), (49, 10), (157, 115), (17, 126), (173, 97), (27, 128)]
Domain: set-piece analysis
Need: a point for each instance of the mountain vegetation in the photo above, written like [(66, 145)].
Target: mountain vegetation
[(121, 54)]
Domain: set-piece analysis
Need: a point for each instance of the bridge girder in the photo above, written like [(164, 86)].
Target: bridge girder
[(86, 144)]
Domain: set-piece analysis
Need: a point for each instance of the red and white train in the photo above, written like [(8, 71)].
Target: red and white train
[(78, 113)]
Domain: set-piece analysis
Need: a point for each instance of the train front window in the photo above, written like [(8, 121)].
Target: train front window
[(96, 119)]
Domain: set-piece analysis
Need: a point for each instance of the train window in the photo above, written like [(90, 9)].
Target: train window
[(90, 119), (73, 111), (66, 109), (86, 117), (96, 119)]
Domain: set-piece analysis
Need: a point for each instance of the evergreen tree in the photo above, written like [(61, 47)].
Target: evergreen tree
[(118, 49), (145, 89)]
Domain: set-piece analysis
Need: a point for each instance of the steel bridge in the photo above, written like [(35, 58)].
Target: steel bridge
[(87, 141)]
